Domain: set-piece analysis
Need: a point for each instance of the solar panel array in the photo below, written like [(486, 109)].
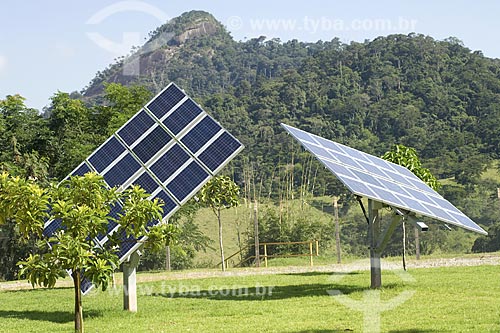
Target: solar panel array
[(171, 148), (377, 179)]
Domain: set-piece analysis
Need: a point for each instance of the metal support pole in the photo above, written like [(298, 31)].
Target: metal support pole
[(130, 282), (337, 227), (417, 243), (374, 233)]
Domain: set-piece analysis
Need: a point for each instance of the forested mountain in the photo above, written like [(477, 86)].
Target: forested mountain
[(436, 96)]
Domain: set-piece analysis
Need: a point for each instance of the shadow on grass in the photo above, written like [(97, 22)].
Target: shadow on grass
[(350, 330), (59, 317), (326, 331), (259, 292), (31, 290), (322, 273), (414, 330), (268, 292)]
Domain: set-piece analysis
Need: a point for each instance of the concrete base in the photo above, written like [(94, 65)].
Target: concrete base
[(130, 283)]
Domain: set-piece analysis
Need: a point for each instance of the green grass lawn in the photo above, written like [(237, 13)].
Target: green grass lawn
[(452, 299)]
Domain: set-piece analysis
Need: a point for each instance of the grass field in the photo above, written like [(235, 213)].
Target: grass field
[(242, 217), (446, 299)]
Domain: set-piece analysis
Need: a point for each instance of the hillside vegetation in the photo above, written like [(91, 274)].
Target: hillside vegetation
[(436, 96)]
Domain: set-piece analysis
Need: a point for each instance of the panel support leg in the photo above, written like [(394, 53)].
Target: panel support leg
[(130, 282), (374, 234)]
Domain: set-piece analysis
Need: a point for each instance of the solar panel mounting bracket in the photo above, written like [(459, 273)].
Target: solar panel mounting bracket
[(384, 184), (385, 237)]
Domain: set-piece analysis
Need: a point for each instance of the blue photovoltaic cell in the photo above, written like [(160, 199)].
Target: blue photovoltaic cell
[(151, 144), (169, 203), (164, 102), (122, 171), (136, 127), (127, 243), (169, 162), (398, 178), (114, 214), (392, 186), (438, 211), (302, 135), (348, 161), (402, 170), (353, 153), (422, 186), (337, 168), (366, 177), (384, 181), (219, 151), (106, 154), (131, 157), (463, 219), (81, 170), (337, 149), (53, 226), (379, 162), (146, 182), (200, 134), (414, 205), (372, 169), (182, 116), (169, 206), (388, 196), (187, 181), (85, 284), (419, 195), (317, 150), (359, 188)]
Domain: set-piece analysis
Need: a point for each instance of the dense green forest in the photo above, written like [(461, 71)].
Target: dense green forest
[(438, 97)]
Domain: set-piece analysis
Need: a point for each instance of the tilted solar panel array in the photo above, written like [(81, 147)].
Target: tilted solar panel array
[(171, 148), (374, 178)]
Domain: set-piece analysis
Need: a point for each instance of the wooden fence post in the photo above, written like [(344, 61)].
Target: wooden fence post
[(265, 255), (311, 252)]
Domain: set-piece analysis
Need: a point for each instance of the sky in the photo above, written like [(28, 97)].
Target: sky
[(55, 45)]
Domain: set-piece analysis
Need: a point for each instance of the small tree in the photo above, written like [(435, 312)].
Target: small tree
[(408, 158), (82, 204), (220, 193)]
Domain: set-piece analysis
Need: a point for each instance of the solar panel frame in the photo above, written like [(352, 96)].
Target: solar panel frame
[(157, 104), (122, 150), (383, 181), (135, 129)]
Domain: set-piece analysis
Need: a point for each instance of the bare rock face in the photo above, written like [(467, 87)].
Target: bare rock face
[(150, 60), (203, 27)]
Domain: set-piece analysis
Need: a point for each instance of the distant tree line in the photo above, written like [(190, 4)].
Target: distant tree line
[(438, 97)]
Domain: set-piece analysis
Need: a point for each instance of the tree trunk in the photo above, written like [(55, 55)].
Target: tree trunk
[(78, 301), (256, 233), (167, 258), (223, 263)]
